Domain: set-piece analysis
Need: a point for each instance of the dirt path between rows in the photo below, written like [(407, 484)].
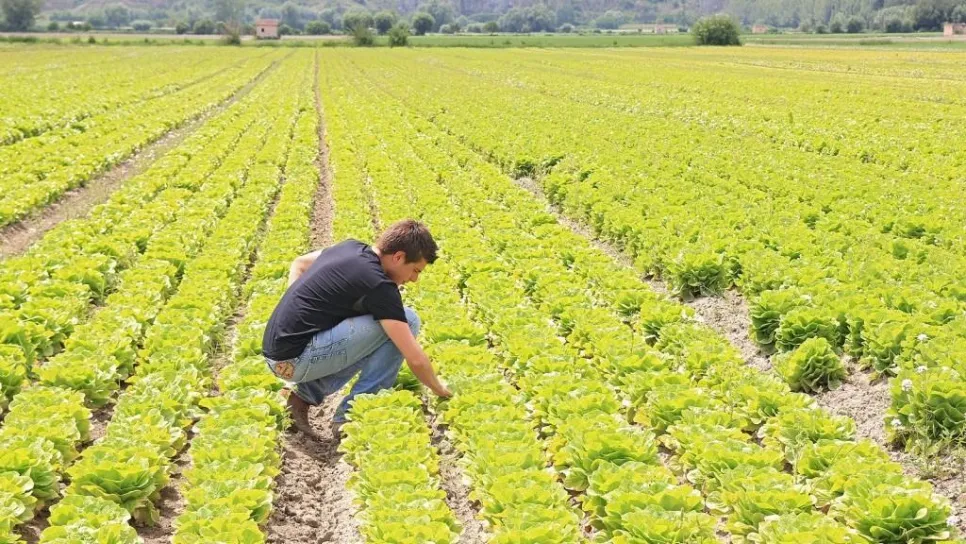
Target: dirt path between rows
[(860, 398), (324, 210), (312, 503), (16, 237), (171, 504), (452, 481)]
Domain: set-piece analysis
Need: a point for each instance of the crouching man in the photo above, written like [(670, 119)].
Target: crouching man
[(343, 315)]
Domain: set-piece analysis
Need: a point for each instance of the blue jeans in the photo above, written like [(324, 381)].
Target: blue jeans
[(357, 345)]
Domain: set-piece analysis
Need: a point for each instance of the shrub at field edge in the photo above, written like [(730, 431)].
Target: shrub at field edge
[(716, 30)]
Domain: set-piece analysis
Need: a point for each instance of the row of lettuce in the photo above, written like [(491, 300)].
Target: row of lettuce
[(396, 485), (649, 417), (857, 256), (45, 91), (37, 171), (46, 293), (234, 455), (156, 330)]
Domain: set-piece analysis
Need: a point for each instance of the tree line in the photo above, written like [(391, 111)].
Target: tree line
[(451, 16)]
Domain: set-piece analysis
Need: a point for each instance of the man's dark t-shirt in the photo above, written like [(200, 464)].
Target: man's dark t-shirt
[(347, 280)]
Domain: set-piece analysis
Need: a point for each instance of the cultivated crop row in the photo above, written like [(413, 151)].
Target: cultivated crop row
[(46, 292), (37, 171), (234, 454), (396, 486), (634, 371), (43, 93), (832, 246), (174, 300)]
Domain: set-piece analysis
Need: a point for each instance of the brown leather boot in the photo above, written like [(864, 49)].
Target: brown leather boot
[(299, 410)]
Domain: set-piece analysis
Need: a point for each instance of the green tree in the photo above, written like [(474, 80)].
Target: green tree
[(318, 28), (566, 12), (384, 21), (362, 36), (331, 16), (536, 18), (96, 20), (181, 28), (491, 27), (854, 25), (610, 20), (229, 10), (399, 35), (204, 26), (929, 15), (717, 30), (53, 26), (116, 16), (291, 15), (447, 29), (441, 10), (141, 25), (422, 23), (837, 24), (231, 33), (357, 19)]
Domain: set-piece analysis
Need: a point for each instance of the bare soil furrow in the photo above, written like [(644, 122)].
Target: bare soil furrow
[(322, 212), (312, 503), (171, 504), (457, 489)]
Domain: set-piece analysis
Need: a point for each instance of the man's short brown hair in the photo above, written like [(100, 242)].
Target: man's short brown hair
[(411, 237)]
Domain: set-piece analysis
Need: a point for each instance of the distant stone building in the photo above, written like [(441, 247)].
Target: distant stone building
[(266, 29), (759, 29), (954, 29)]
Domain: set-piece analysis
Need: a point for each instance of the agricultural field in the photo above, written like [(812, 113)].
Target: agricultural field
[(684, 295)]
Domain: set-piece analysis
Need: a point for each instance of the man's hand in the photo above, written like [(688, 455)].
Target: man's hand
[(416, 358), (300, 265), (445, 393)]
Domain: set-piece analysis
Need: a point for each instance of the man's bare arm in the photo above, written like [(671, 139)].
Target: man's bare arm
[(301, 264), (416, 358)]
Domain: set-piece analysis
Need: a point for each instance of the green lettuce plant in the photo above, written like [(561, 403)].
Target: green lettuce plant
[(928, 404), (767, 311), (794, 430), (893, 509), (655, 525), (802, 323), (811, 367), (813, 527)]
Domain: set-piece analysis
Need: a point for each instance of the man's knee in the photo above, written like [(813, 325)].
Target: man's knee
[(413, 319)]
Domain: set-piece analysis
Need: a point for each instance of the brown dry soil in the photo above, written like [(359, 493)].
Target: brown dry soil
[(171, 504), (863, 400), (30, 531), (457, 489), (323, 210), (312, 503), (16, 237)]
